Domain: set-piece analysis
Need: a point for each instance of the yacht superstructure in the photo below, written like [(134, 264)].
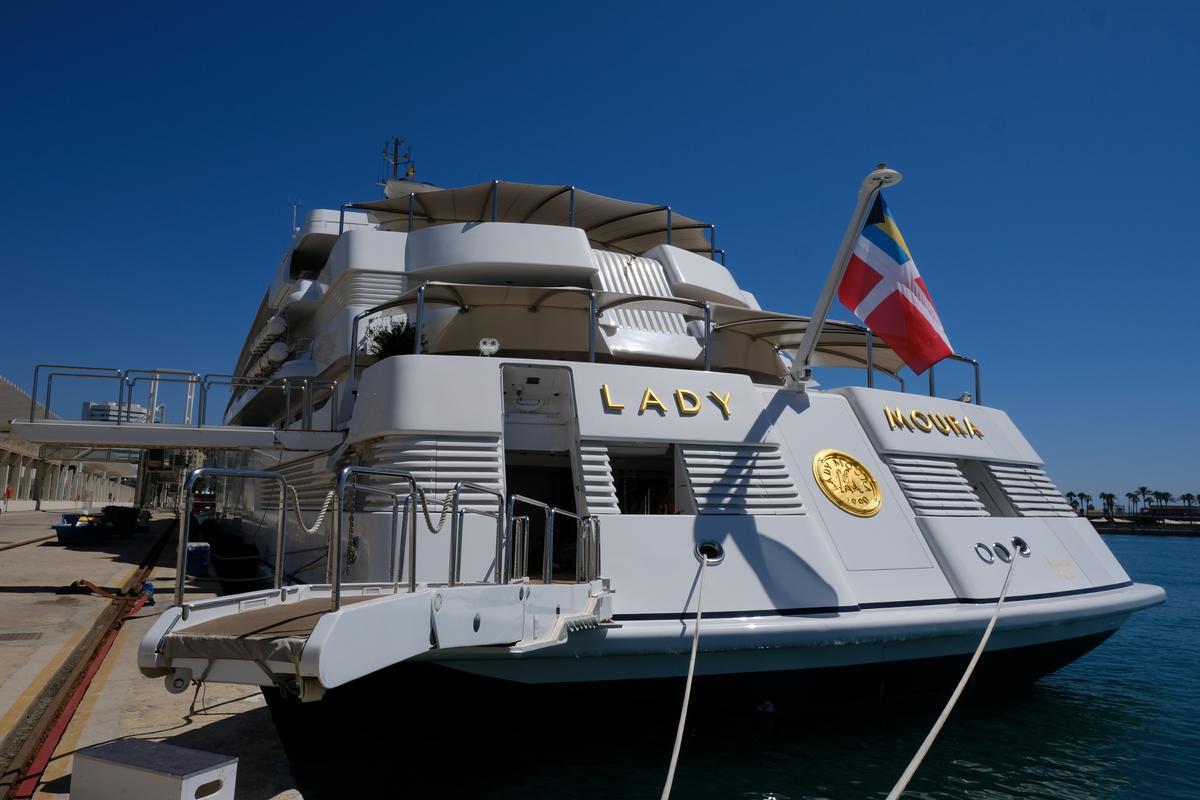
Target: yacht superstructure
[(500, 429)]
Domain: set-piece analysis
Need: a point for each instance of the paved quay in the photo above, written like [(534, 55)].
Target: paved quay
[(42, 621)]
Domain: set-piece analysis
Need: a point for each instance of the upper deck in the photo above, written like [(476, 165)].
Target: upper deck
[(548, 272)]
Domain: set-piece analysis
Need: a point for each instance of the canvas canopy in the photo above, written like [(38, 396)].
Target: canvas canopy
[(842, 344), (610, 224)]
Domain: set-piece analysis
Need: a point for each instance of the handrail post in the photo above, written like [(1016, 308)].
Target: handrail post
[(33, 393), (286, 386), (49, 389), (202, 402), (707, 337), (411, 195), (931, 389), (411, 543), (306, 411), (181, 554), (548, 555), (333, 560), (120, 397), (669, 221), (455, 532), (495, 199), (394, 555), (978, 390), (571, 209), (420, 318), (592, 325), (870, 360), (712, 242), (281, 537)]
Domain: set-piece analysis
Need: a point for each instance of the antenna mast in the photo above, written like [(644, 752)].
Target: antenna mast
[(394, 160), (295, 204)]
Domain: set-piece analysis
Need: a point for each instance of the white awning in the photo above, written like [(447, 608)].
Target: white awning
[(610, 224), (842, 344)]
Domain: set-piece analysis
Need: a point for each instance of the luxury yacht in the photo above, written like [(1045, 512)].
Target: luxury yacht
[(498, 431)]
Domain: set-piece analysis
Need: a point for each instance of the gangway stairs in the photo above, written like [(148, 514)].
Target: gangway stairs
[(309, 638)]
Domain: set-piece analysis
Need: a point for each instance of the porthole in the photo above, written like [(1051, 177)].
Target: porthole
[(1002, 552), (985, 553), (1021, 546)]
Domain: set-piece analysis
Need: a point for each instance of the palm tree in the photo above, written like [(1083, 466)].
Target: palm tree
[(1071, 498), (1144, 492), (1132, 497), (1085, 500), (1109, 500), (1188, 499)]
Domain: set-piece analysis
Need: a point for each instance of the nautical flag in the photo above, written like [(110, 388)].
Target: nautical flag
[(883, 288)]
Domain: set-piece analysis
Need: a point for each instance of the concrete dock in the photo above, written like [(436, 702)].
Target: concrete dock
[(44, 621)]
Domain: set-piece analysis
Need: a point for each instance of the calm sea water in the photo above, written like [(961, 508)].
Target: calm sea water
[(1122, 722)]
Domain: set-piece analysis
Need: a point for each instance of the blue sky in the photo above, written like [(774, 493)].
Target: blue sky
[(1048, 148)]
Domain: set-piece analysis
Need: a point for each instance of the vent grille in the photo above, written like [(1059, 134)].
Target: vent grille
[(740, 480), (360, 288), (437, 464), (599, 491), (635, 275), (936, 487), (1031, 491)]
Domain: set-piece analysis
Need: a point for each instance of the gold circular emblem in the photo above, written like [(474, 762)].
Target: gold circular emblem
[(848, 483)]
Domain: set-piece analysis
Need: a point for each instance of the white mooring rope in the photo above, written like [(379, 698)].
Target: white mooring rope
[(687, 690), (915, 764), (316, 526)]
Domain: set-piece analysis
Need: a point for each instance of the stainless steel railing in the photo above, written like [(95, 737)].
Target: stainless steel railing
[(454, 571), (347, 477), (587, 540), (978, 398), (198, 391), (184, 535)]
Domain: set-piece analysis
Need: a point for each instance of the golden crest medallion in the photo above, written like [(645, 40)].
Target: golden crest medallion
[(847, 483)]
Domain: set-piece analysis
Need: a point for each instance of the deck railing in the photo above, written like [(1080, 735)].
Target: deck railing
[(198, 389)]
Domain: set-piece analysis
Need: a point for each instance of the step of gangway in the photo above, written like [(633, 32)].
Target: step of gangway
[(293, 638)]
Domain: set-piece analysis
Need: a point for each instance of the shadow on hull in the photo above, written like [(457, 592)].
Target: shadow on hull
[(417, 725)]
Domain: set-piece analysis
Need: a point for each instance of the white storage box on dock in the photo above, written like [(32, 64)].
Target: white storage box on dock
[(151, 771)]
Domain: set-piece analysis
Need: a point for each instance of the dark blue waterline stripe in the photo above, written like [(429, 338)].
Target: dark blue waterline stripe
[(774, 612), (802, 612), (1047, 595)]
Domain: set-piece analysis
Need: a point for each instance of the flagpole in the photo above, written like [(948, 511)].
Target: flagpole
[(800, 372)]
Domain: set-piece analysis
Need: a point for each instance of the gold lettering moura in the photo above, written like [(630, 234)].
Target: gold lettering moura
[(928, 422)]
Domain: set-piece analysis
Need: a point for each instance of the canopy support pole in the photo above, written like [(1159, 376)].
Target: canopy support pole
[(801, 372)]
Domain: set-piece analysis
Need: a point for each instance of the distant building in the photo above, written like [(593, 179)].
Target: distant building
[(109, 411), (30, 477)]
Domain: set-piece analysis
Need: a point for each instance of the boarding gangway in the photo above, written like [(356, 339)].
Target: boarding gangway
[(312, 637), (308, 417)]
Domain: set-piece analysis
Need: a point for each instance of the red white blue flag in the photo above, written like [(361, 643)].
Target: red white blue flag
[(883, 288)]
